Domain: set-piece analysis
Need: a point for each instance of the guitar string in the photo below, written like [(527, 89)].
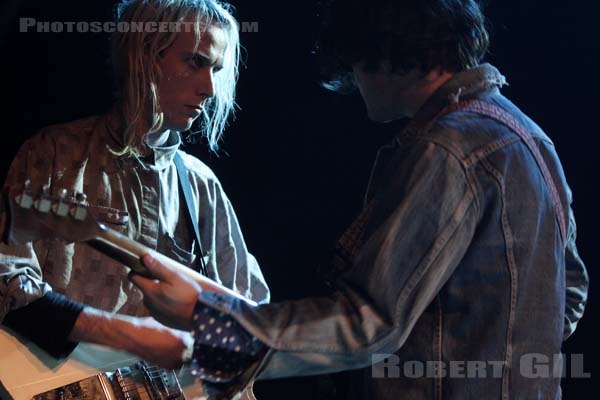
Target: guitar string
[(153, 376)]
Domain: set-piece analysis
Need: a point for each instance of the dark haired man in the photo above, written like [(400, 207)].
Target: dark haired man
[(463, 262)]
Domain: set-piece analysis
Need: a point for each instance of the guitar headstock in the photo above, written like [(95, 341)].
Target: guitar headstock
[(40, 215)]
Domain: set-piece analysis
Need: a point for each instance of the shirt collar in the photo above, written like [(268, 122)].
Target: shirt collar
[(159, 158), (461, 86), (162, 156)]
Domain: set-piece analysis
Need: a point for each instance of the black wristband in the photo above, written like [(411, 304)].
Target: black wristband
[(47, 322)]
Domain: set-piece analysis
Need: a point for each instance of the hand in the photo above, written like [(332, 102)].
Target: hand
[(157, 344), (170, 297), (143, 337)]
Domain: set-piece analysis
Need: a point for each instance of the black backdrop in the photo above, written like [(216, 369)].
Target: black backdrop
[(296, 160)]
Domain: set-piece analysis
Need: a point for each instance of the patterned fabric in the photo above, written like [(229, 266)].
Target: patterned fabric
[(222, 348), (350, 242), (137, 197)]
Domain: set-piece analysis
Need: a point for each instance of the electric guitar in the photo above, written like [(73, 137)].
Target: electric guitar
[(91, 371)]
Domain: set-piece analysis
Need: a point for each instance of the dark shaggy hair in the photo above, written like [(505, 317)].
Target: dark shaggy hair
[(409, 34)]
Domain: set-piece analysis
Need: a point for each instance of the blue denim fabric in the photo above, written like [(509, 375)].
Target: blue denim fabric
[(459, 262)]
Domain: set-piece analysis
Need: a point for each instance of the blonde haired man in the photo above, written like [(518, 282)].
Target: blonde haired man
[(58, 294)]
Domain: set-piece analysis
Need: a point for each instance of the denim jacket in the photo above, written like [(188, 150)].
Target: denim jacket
[(455, 279)]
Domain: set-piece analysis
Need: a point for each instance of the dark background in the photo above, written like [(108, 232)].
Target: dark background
[(296, 160)]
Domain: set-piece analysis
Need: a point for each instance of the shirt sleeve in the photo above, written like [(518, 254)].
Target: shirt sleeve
[(577, 280), (21, 279), (47, 322), (228, 260), (236, 267), (27, 302), (425, 223), (222, 348)]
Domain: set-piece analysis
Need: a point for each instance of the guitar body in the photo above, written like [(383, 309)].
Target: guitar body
[(26, 370)]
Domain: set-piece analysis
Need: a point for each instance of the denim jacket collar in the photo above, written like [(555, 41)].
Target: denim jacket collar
[(463, 85)]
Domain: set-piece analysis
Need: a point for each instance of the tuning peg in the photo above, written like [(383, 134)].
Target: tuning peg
[(81, 198), (25, 199), (43, 203), (61, 208), (79, 212)]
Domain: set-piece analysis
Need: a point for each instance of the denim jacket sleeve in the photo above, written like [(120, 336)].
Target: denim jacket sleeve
[(429, 216), (577, 280)]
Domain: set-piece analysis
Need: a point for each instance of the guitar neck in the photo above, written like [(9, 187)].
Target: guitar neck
[(129, 252)]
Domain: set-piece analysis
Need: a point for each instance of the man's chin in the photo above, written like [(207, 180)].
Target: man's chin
[(384, 117), (377, 117), (183, 126)]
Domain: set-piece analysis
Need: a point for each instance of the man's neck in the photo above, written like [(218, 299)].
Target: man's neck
[(424, 89)]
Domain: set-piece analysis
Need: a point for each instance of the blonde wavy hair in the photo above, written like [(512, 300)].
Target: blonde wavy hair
[(135, 56)]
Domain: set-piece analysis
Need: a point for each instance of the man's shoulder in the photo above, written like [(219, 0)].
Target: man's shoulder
[(197, 168), (67, 133), (465, 133)]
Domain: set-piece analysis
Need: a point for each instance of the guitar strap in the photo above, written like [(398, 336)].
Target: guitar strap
[(186, 188)]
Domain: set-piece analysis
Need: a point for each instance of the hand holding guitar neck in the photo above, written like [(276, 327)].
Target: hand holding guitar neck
[(171, 297)]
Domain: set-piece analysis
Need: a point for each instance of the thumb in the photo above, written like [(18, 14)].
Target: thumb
[(156, 268)]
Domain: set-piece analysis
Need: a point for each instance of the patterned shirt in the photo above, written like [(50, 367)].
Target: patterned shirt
[(222, 347), (138, 197)]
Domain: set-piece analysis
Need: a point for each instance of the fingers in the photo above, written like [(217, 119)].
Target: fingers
[(146, 285), (156, 268)]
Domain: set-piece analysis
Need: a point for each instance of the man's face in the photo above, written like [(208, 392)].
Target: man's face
[(387, 96), (187, 76)]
